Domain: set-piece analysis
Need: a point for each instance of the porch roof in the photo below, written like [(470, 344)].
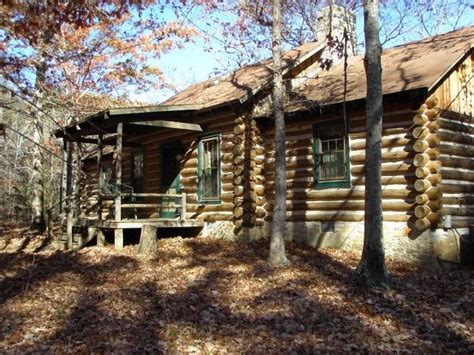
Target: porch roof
[(134, 118), (232, 88)]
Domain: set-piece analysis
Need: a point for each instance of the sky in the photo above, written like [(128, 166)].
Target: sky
[(194, 63)]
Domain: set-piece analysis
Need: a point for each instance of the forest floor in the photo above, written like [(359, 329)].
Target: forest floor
[(212, 296)]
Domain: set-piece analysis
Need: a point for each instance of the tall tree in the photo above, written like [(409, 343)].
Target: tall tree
[(55, 55), (371, 270), (277, 255), (240, 31)]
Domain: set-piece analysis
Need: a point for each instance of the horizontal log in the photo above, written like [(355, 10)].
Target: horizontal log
[(457, 137), (291, 173), (457, 174), (407, 178), (223, 207), (299, 162), (190, 163), (225, 197), (352, 193), (347, 216), (342, 205), (456, 126), (385, 132), (448, 148), (215, 216), (400, 140), (462, 199), (459, 210), (386, 156), (452, 187), (457, 162), (188, 172), (388, 167), (292, 158), (290, 144)]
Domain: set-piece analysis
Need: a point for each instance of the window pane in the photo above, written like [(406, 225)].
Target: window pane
[(209, 156), (332, 164), (137, 165)]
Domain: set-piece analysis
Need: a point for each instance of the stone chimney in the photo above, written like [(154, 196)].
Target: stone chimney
[(331, 22)]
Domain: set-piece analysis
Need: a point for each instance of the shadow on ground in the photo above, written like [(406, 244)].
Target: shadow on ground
[(210, 295)]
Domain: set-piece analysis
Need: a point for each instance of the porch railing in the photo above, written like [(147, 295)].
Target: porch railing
[(130, 202)]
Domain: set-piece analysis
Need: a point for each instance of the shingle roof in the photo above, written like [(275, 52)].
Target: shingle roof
[(415, 65), (241, 83)]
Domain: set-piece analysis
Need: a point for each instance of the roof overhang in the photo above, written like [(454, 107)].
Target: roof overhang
[(451, 68), (149, 117)]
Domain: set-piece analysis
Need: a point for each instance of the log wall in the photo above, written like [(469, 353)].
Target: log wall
[(306, 203), (428, 209), (457, 168)]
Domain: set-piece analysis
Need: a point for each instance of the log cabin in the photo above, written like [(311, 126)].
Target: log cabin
[(204, 159)]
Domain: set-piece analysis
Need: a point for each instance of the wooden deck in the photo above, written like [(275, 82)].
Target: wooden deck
[(87, 229)]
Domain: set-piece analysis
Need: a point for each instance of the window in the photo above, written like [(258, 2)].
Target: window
[(137, 171), (107, 180), (331, 156), (209, 168)]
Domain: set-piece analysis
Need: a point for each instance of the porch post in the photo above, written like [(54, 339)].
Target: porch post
[(69, 203), (118, 185), (99, 178), (62, 187)]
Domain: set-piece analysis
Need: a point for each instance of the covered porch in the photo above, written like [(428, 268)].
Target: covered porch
[(114, 204)]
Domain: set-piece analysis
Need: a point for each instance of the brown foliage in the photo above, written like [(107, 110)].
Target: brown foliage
[(208, 295)]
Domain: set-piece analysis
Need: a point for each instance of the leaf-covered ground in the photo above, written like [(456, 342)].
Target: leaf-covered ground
[(212, 296)]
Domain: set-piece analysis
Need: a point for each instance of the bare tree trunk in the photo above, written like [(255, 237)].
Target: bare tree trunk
[(277, 255), (371, 270), (37, 181)]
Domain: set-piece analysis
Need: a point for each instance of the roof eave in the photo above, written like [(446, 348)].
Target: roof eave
[(451, 68)]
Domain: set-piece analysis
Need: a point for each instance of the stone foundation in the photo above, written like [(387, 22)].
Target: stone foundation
[(218, 229), (427, 250)]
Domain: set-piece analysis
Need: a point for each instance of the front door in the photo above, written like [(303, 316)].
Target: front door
[(171, 155)]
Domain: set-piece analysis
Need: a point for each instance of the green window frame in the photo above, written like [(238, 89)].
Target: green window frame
[(327, 143), (209, 167)]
